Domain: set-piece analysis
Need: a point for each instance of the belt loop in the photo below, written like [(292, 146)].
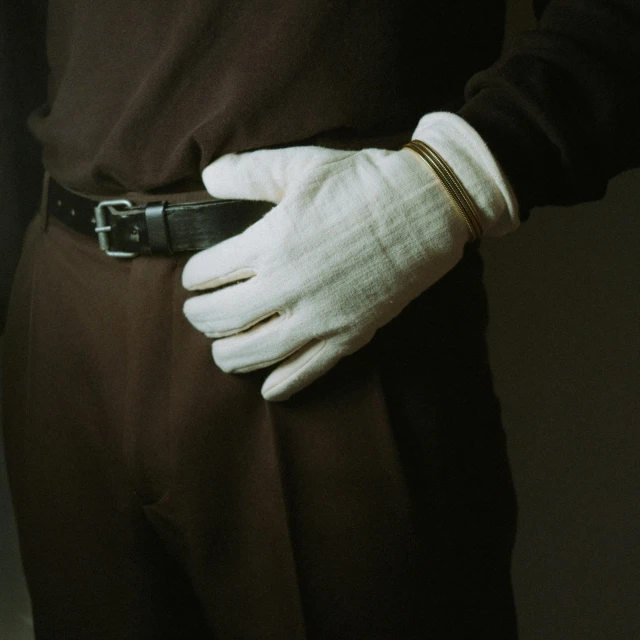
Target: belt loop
[(44, 202)]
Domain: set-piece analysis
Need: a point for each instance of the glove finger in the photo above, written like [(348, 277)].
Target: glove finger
[(264, 174), (259, 347), (229, 261), (229, 310), (301, 369), (310, 363)]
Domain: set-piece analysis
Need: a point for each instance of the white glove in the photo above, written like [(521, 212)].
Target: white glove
[(356, 235)]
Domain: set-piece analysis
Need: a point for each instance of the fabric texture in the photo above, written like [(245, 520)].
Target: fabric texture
[(560, 111), (158, 498), (355, 237), (204, 78)]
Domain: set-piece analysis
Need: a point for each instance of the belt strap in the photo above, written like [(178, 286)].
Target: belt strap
[(125, 231)]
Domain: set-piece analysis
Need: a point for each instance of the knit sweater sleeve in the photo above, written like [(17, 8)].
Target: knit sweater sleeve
[(560, 111)]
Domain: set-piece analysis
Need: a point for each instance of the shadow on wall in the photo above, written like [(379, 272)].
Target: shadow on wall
[(564, 303), (15, 614)]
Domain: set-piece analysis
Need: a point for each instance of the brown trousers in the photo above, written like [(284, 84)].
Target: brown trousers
[(158, 498)]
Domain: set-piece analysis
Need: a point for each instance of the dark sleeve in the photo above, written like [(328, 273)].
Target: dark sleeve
[(22, 88), (561, 111)]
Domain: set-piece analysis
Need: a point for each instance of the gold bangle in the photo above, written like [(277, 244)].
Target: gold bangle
[(452, 184)]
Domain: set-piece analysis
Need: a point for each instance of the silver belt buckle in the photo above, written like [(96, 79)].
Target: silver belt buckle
[(102, 229)]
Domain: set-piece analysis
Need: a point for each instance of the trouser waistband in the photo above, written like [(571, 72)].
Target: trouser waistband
[(125, 230)]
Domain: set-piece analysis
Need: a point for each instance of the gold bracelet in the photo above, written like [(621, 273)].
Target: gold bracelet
[(452, 184)]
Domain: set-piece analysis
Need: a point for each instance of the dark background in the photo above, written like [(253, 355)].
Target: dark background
[(564, 338), (564, 294)]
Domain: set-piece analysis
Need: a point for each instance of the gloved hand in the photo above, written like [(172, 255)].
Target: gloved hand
[(355, 236)]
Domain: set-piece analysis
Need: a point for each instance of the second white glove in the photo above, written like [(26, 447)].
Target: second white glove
[(354, 238)]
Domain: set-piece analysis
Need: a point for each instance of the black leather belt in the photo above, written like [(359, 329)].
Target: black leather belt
[(126, 231)]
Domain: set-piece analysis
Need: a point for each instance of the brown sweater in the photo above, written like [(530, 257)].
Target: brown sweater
[(144, 94)]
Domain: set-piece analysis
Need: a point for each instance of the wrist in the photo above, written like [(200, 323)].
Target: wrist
[(474, 166)]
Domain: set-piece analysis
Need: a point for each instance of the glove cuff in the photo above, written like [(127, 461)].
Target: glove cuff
[(473, 164)]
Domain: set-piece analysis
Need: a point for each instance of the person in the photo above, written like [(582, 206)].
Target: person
[(338, 468)]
